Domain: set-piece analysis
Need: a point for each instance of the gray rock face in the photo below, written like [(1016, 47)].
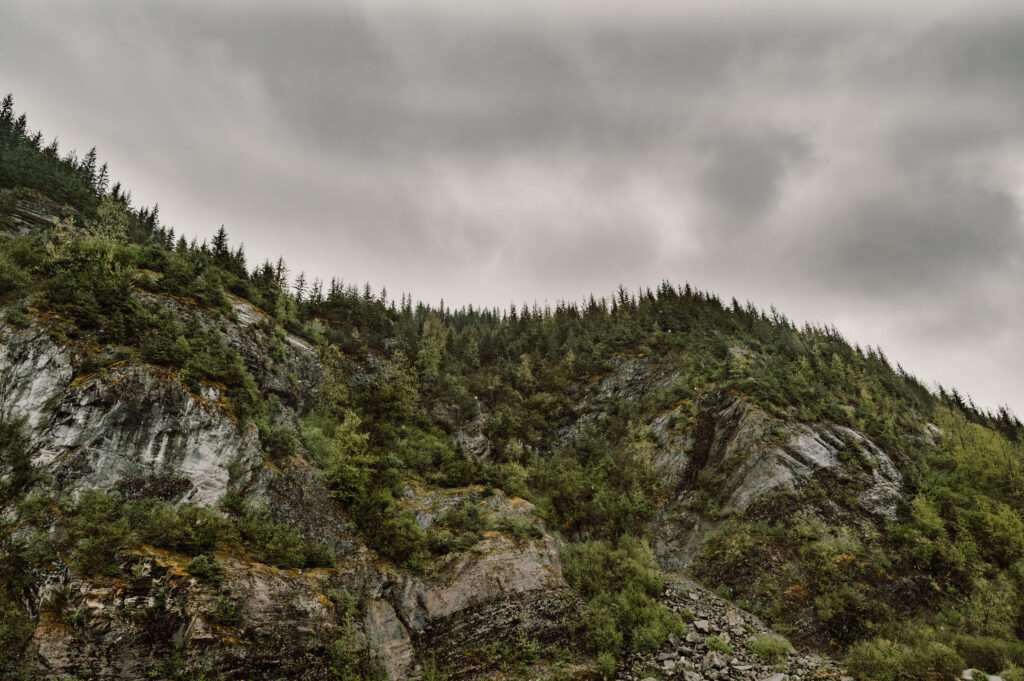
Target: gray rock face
[(298, 496), (471, 440), (142, 425), (389, 637), (34, 371), (501, 566), (628, 381), (505, 587), (30, 213), (749, 454), (291, 373), (809, 449), (272, 623), (137, 427), (427, 505)]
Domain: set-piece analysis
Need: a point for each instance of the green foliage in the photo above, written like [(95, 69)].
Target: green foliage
[(919, 650), (714, 642), (187, 528), (16, 471), (458, 528), (278, 439), (433, 672), (394, 398), (101, 524), (620, 582), (349, 662), (361, 476), (515, 524), (606, 663), (101, 529), (432, 344), (14, 281), (836, 571), (884, 660), (25, 162), (206, 566), (280, 545), (222, 611), (987, 652), (598, 487), (15, 630), (772, 649), (342, 454), (515, 655)]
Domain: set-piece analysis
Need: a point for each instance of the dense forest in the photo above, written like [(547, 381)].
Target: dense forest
[(958, 540)]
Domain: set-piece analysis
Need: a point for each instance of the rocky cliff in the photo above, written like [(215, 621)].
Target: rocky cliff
[(210, 470), (140, 430)]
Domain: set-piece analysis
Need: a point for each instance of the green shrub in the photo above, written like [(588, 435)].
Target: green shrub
[(514, 655), (989, 652), (621, 582), (771, 649), (433, 672), (102, 529), (222, 611), (1012, 674), (14, 281), (515, 524), (16, 471), (884, 660), (714, 642), (15, 317), (348, 661), (15, 630), (340, 451), (404, 541), (187, 528), (278, 439), (280, 545), (465, 516), (206, 566), (316, 554)]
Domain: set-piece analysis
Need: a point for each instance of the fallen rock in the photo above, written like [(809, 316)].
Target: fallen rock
[(713, 660)]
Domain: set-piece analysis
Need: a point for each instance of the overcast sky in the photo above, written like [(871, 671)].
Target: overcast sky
[(862, 167)]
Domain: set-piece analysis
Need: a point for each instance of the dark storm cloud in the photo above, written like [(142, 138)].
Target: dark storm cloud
[(945, 239), (858, 165), (742, 171)]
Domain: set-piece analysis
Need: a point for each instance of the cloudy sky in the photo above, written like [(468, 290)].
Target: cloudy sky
[(859, 167)]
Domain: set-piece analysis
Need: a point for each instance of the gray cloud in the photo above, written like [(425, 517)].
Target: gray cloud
[(862, 166)]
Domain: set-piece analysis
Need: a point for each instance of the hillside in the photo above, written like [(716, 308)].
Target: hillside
[(209, 470)]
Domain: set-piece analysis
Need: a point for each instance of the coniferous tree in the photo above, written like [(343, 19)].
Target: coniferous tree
[(6, 112), (102, 177), (88, 168), (219, 247), (281, 273)]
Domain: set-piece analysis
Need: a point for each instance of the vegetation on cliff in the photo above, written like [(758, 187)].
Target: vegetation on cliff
[(935, 588)]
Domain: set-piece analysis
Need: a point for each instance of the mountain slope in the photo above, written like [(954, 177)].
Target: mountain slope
[(209, 472)]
